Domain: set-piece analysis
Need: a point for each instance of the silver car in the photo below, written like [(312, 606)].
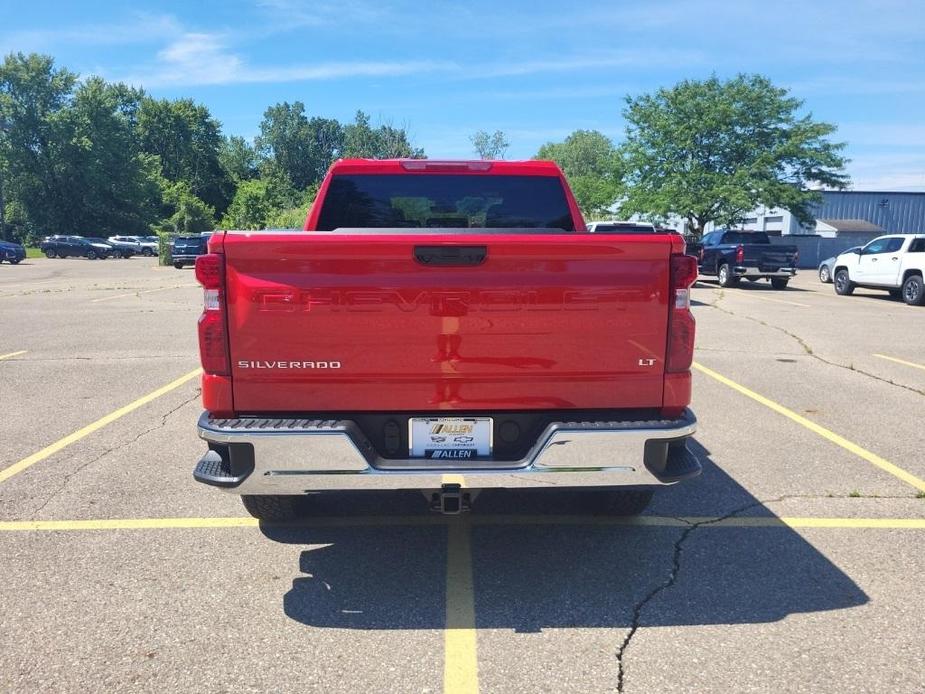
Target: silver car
[(825, 267)]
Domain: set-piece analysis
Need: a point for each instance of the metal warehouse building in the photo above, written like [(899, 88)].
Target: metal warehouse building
[(843, 219), (848, 212)]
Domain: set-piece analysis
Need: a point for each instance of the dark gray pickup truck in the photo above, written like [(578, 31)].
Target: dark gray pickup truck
[(733, 255)]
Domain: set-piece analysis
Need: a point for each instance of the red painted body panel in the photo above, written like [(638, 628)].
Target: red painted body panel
[(547, 321), (339, 322)]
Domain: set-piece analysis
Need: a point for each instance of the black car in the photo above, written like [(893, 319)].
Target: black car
[(60, 246), (11, 252), (118, 250), (184, 249)]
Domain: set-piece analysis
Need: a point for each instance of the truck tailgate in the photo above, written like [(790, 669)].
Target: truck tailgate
[(770, 257), (392, 321)]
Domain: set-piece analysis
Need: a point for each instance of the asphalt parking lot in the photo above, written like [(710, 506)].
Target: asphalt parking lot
[(794, 563)]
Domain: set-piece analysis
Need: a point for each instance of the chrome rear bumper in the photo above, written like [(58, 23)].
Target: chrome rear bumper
[(297, 456), (747, 272)]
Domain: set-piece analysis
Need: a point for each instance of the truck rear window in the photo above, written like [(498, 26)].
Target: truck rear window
[(446, 201), (745, 237)]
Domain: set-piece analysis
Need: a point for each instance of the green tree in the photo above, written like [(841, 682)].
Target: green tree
[(183, 212), (299, 147), (110, 185), (386, 141), (489, 145), (293, 217), (259, 200), (711, 151), (69, 151), (239, 159), (592, 165), (33, 92), (187, 140)]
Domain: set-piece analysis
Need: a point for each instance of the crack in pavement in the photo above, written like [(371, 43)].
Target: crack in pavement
[(120, 446), (672, 577), (807, 348)]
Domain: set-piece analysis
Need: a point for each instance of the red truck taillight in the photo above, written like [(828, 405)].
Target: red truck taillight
[(213, 337), (740, 254), (680, 353)]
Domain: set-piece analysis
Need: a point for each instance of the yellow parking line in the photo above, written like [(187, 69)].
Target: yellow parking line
[(50, 450), (459, 561), (849, 446), (460, 664), (882, 356), (12, 354)]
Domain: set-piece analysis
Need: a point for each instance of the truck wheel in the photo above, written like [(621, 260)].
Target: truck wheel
[(50, 253), (620, 502), (272, 507), (914, 290), (726, 277), (779, 282), (843, 284), (179, 266)]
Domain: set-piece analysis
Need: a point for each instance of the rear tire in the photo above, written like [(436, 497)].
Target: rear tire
[(273, 507), (726, 277), (147, 252), (50, 253), (179, 266), (91, 255), (825, 275), (620, 502), (779, 282), (15, 261), (843, 284), (914, 290)]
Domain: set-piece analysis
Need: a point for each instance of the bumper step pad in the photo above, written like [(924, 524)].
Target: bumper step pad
[(211, 469)]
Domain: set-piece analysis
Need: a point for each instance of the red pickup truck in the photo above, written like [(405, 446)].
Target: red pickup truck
[(447, 327)]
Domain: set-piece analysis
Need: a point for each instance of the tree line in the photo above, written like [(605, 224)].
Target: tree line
[(93, 157), (99, 158)]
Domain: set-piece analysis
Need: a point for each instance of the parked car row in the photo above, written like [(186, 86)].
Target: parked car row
[(93, 247)]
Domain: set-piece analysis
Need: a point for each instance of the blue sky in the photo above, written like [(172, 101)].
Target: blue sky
[(537, 70)]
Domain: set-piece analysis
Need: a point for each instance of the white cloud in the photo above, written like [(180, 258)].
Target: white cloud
[(888, 172), (204, 59), (200, 58)]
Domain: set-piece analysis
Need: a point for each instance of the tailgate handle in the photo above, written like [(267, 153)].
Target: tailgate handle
[(449, 256)]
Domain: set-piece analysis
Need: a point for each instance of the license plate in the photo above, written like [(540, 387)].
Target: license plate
[(450, 438)]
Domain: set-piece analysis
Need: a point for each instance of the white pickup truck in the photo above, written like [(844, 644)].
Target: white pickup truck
[(895, 263)]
